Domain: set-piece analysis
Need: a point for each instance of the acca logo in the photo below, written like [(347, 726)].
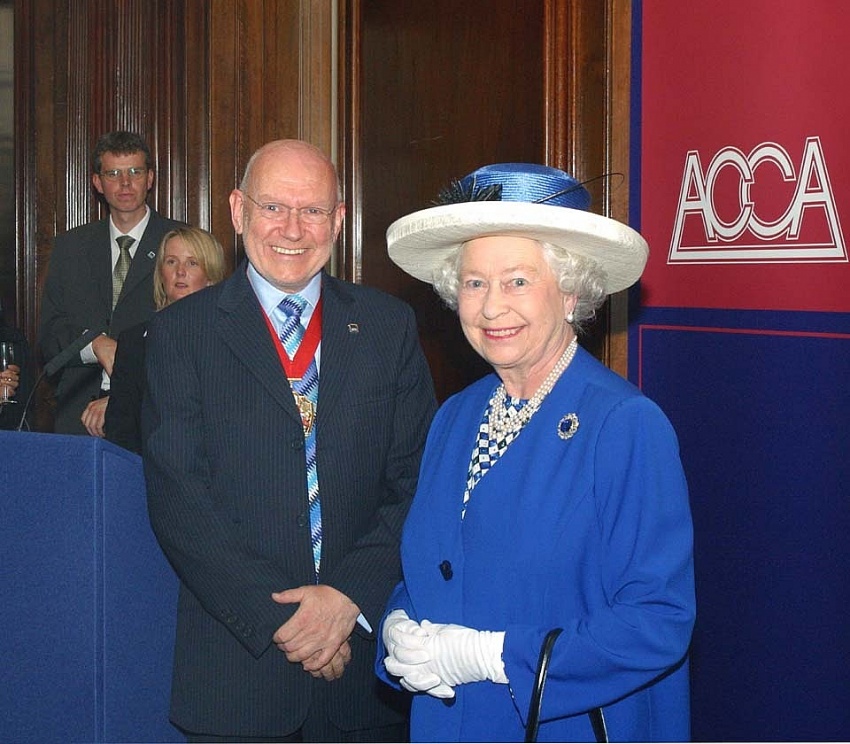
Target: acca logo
[(756, 208)]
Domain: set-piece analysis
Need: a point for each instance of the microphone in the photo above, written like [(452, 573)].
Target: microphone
[(55, 364), (69, 352)]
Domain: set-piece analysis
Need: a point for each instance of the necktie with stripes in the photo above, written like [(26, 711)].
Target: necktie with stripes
[(291, 334)]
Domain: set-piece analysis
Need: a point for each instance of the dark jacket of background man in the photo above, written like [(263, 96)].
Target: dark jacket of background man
[(78, 289)]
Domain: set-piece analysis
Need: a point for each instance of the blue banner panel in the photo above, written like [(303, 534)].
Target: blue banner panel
[(761, 404), (88, 599)]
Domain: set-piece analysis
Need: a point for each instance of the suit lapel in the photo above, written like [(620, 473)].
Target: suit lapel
[(142, 265), (243, 329), (339, 340)]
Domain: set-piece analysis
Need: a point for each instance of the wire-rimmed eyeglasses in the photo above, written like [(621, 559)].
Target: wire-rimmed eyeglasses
[(280, 212), (134, 174)]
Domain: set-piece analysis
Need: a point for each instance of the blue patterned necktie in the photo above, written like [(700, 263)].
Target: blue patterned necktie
[(291, 333)]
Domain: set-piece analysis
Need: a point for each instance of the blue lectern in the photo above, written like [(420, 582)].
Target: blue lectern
[(87, 600)]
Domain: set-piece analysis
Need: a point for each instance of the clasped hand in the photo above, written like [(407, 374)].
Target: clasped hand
[(316, 636), (435, 658)]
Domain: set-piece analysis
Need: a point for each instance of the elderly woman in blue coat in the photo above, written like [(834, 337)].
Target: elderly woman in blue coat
[(551, 493)]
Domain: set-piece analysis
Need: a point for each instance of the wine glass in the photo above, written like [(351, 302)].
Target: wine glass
[(7, 357)]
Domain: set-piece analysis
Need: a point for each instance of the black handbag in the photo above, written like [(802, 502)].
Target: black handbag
[(597, 719)]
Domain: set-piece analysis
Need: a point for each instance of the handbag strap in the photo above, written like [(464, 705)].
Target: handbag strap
[(597, 718), (533, 719)]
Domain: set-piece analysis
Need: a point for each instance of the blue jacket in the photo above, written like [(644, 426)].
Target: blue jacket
[(590, 533)]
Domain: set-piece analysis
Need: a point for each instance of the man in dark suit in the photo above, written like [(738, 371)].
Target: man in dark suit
[(95, 284), (277, 611)]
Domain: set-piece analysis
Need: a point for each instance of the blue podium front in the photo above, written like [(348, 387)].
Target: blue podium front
[(88, 599)]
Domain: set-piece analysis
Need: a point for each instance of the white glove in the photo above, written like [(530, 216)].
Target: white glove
[(398, 622), (453, 653), (399, 627), (460, 655)]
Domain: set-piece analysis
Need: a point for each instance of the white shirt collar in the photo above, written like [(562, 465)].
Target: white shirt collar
[(137, 232), (270, 296)]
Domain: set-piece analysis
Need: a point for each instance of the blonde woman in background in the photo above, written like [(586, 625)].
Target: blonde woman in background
[(188, 259)]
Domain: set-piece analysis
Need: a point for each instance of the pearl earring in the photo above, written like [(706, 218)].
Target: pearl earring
[(571, 317)]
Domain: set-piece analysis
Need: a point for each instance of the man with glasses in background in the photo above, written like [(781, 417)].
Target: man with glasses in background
[(286, 415), (100, 279)]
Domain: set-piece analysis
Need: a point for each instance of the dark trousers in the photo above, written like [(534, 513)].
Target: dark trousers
[(315, 731)]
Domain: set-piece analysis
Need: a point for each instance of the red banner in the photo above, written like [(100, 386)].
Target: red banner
[(745, 172)]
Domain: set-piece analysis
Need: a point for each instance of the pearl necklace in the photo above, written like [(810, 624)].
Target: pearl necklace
[(505, 420)]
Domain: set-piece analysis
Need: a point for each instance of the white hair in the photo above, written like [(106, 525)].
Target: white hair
[(575, 274)]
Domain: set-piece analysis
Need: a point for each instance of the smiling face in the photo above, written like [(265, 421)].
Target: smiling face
[(512, 311), (125, 195), (181, 271), (285, 250)]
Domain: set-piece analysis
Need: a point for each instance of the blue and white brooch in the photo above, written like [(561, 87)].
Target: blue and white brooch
[(568, 426)]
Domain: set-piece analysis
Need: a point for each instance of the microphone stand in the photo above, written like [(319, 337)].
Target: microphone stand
[(54, 365), (26, 407)]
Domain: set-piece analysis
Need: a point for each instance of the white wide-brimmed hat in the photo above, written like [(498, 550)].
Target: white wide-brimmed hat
[(521, 199)]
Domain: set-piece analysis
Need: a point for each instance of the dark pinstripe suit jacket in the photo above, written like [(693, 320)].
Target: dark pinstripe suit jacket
[(78, 296), (122, 422), (224, 461)]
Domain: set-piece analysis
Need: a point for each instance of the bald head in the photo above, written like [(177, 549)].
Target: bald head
[(292, 151), (282, 179)]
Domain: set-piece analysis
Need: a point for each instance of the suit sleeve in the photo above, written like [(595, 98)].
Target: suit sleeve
[(122, 424), (399, 600), (373, 566), (60, 323)]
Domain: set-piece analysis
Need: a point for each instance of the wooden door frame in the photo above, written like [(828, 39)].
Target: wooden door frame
[(567, 136), (572, 37)]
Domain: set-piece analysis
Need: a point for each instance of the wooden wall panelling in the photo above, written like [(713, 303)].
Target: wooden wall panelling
[(167, 109), (252, 95), (428, 90), (226, 152), (434, 89), (271, 77), (13, 294), (618, 157), (253, 91), (587, 84), (348, 258), (198, 109), (276, 72), (8, 252), (47, 200), (33, 46), (444, 88), (205, 82), (319, 88), (76, 116), (317, 70), (192, 151)]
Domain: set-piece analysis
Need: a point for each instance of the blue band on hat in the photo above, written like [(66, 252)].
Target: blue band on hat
[(529, 182)]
